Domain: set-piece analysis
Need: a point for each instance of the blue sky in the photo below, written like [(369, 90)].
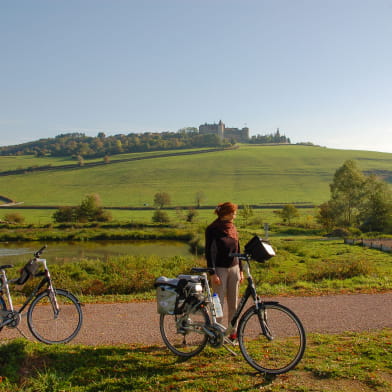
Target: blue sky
[(319, 70)]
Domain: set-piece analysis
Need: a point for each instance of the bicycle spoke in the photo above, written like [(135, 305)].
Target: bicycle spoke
[(278, 350), (50, 326), (184, 335)]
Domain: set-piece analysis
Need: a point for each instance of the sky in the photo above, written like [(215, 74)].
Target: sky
[(319, 70)]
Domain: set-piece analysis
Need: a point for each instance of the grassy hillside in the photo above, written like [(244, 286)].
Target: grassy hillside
[(250, 174)]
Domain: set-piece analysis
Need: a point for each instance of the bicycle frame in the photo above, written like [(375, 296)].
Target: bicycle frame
[(261, 323), (45, 281), (249, 292)]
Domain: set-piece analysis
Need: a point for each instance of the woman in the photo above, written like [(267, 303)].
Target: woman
[(221, 240)]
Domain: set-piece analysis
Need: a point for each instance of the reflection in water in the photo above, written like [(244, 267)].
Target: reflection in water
[(13, 252)]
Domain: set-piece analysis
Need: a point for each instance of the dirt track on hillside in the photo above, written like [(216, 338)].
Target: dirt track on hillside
[(125, 323)]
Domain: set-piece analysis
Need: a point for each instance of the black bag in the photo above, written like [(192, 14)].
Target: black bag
[(27, 271), (259, 250)]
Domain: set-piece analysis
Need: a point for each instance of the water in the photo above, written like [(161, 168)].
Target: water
[(13, 252)]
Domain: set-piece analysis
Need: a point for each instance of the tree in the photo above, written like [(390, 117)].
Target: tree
[(80, 160), (357, 200), (65, 214), (287, 213), (347, 191), (199, 198), (326, 216), (191, 215), (160, 217), (91, 210), (161, 199), (376, 208), (246, 212)]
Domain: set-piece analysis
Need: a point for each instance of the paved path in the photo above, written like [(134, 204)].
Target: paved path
[(124, 323)]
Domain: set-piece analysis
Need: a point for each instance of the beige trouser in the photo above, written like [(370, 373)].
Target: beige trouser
[(230, 278)]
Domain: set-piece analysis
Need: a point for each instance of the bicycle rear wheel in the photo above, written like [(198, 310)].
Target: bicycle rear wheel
[(281, 347), (49, 328), (183, 334)]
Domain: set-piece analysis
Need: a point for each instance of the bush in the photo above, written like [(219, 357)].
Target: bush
[(340, 232), (160, 217), (14, 217), (338, 269)]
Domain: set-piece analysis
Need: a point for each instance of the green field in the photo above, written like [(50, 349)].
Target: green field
[(248, 175), (304, 265)]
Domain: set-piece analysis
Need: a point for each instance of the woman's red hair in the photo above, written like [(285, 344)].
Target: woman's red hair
[(226, 208)]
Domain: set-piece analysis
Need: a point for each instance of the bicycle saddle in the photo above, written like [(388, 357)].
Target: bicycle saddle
[(162, 280)]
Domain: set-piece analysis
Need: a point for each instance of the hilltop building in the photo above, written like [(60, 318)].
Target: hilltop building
[(240, 135)]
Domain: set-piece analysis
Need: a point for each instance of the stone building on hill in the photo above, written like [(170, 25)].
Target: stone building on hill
[(240, 135)]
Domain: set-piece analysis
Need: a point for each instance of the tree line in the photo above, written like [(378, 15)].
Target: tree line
[(270, 138), (79, 145)]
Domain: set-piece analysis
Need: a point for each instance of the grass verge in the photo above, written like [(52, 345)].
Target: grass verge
[(345, 362)]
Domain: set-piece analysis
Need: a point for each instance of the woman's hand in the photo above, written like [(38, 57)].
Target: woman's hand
[(216, 280), (241, 276)]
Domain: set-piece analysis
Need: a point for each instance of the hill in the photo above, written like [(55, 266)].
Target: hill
[(248, 175)]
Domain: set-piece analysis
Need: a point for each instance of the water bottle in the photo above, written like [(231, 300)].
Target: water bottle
[(217, 305)]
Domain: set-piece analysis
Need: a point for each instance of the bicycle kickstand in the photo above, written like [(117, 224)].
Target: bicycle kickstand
[(226, 340)]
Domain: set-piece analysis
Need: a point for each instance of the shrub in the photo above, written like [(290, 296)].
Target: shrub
[(160, 217), (338, 269), (14, 217)]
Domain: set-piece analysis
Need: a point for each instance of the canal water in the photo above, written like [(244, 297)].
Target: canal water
[(13, 252)]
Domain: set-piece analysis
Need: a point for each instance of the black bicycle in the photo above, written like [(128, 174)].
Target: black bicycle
[(271, 337), (54, 315)]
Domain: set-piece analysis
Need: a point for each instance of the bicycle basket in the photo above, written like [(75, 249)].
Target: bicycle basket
[(259, 250)]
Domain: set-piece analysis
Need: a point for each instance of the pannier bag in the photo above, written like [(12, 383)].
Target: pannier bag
[(259, 250), (167, 296), (171, 293)]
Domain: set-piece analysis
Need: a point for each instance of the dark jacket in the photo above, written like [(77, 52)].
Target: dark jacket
[(218, 246)]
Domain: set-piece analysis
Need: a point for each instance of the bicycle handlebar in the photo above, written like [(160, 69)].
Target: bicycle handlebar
[(39, 252)]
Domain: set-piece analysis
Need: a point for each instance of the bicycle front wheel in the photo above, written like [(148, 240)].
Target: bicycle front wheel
[(50, 328), (3, 308), (272, 339), (183, 334)]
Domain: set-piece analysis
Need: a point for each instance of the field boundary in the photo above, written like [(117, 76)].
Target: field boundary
[(304, 205), (383, 244), (88, 165)]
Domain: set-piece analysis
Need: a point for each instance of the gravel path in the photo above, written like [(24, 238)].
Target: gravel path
[(124, 323)]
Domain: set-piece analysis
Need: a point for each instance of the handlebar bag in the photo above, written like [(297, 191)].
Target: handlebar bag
[(259, 249), (27, 271)]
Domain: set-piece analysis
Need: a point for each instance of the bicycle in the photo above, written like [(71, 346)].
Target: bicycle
[(53, 316), (270, 336)]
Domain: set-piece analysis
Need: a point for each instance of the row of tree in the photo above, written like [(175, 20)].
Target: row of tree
[(91, 210), (80, 145), (357, 200), (270, 138)]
